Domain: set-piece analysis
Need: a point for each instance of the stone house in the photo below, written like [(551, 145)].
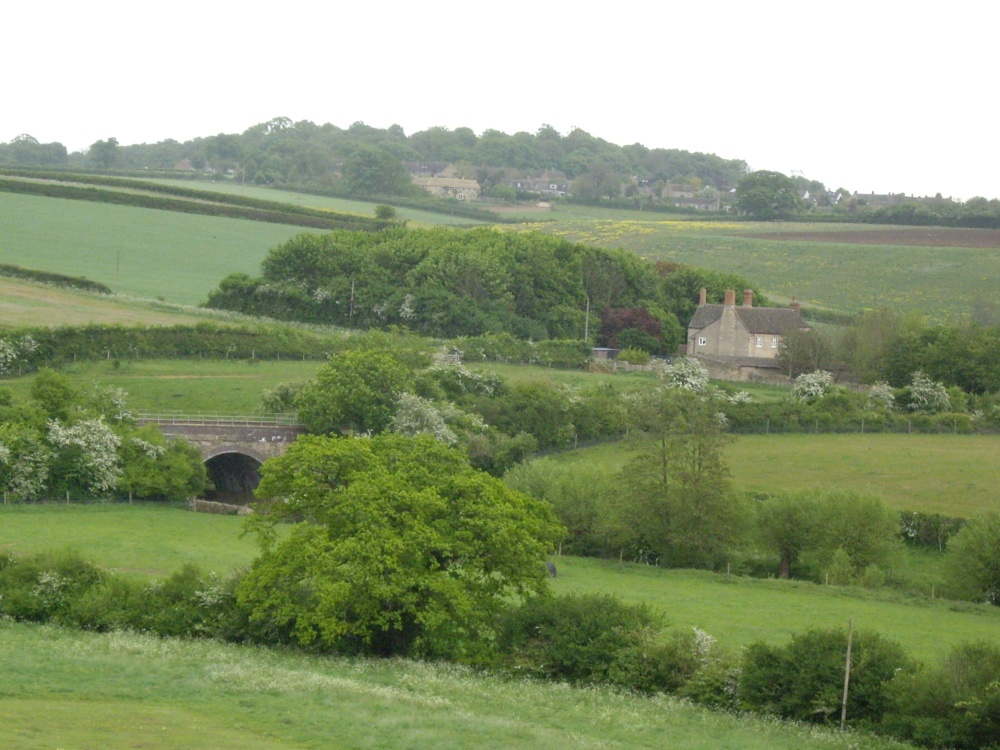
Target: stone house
[(741, 342), (449, 187)]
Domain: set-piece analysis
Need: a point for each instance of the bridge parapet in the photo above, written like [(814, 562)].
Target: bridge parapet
[(258, 437)]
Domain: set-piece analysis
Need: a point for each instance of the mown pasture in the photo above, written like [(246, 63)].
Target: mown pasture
[(125, 690), (191, 386), (153, 541), (956, 475)]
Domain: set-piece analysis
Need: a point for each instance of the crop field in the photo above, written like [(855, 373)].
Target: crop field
[(138, 252), (124, 690), (943, 273), (956, 475)]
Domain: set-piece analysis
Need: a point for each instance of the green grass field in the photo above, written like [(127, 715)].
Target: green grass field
[(73, 690), (957, 475), (154, 541), (192, 386), (136, 251), (26, 303)]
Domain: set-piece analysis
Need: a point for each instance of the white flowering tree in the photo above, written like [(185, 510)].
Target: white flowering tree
[(928, 396), (85, 456), (24, 462), (418, 416), (686, 373), (812, 386), (881, 396), (14, 351)]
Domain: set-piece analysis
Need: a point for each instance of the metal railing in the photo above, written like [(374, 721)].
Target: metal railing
[(217, 420)]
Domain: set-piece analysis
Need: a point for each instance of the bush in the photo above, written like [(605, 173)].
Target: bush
[(955, 705), (42, 588), (634, 356), (579, 638), (804, 680)]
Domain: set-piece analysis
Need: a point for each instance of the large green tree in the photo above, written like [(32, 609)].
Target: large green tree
[(356, 391), (768, 196), (677, 499), (370, 170), (399, 548)]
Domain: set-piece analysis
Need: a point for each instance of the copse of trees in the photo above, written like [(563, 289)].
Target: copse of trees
[(83, 444), (448, 282)]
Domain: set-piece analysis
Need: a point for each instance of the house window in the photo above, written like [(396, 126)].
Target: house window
[(702, 341), (760, 341), (774, 342)]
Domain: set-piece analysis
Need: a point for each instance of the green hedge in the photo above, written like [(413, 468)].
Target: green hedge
[(205, 203), (56, 279), (54, 346)]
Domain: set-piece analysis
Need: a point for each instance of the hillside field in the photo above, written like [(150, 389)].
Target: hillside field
[(123, 690), (942, 273), (137, 252), (27, 303), (956, 475)]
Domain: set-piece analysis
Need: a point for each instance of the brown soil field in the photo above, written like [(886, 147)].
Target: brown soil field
[(913, 237)]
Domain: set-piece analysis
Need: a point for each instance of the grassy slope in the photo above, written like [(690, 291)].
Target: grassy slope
[(25, 303), (136, 251), (952, 474), (77, 690)]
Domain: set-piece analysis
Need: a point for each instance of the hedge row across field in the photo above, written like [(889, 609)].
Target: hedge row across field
[(28, 349), (194, 202), (55, 279)]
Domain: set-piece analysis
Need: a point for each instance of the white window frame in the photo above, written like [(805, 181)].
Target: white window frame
[(774, 342), (702, 341), (760, 342)]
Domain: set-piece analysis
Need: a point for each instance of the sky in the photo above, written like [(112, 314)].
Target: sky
[(876, 96)]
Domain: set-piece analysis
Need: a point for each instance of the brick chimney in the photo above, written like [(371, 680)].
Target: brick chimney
[(748, 298), (795, 306), (703, 296), (730, 297)]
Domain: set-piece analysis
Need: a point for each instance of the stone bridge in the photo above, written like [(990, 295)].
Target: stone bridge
[(233, 447)]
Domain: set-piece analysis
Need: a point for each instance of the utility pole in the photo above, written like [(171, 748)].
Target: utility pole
[(847, 676)]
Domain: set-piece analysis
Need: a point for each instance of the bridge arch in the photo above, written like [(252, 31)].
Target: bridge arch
[(233, 448)]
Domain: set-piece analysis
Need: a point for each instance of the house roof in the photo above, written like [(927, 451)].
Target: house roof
[(774, 320)]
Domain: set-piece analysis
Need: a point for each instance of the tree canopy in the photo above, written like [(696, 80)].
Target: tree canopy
[(768, 195), (398, 547)]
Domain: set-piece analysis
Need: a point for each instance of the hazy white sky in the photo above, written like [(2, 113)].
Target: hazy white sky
[(874, 96)]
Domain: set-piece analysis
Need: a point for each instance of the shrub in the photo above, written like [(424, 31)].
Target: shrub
[(580, 638), (955, 705), (634, 356), (804, 680)]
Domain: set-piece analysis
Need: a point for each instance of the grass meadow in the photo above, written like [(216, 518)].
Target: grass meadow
[(191, 386), (123, 690), (956, 475)]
